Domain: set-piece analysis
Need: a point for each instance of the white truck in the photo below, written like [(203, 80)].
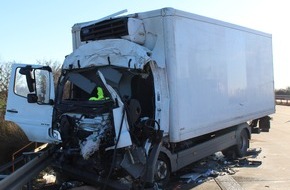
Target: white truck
[(145, 94)]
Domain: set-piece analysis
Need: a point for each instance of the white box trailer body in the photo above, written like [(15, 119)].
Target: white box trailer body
[(219, 74), (174, 86)]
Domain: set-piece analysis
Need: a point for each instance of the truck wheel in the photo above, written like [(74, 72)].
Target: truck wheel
[(162, 170), (240, 149), (242, 144)]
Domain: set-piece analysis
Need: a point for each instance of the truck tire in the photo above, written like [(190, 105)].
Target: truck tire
[(242, 144), (240, 149), (163, 170)]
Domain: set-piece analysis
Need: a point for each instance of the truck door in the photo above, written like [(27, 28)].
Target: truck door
[(30, 101)]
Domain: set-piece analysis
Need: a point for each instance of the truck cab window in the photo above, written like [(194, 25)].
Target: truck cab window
[(20, 86), (42, 86)]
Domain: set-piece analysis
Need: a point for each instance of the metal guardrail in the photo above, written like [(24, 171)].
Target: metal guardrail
[(24, 174), (9, 165), (17, 156), (282, 99), (20, 151)]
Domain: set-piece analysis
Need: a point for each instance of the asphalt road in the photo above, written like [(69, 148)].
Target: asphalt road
[(274, 172)]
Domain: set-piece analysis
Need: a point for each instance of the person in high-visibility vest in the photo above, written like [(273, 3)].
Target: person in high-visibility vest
[(100, 94)]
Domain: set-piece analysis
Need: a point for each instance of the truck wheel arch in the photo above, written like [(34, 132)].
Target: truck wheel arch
[(171, 157)]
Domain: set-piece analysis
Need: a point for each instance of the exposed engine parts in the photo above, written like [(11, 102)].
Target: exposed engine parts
[(87, 134)]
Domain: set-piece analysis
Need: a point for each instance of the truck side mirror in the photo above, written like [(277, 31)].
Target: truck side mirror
[(32, 98), (30, 81)]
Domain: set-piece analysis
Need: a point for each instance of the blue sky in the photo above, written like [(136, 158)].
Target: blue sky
[(34, 30)]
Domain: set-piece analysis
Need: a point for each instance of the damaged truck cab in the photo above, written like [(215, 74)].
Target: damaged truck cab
[(89, 128), (119, 130), (146, 94)]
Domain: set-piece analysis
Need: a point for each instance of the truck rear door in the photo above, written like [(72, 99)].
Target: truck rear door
[(30, 101)]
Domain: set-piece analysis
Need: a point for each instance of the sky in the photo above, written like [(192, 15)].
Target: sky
[(35, 30)]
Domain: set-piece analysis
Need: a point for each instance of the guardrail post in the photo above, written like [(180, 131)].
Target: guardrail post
[(27, 158)]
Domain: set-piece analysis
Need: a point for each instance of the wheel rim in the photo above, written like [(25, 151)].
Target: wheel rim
[(161, 170)]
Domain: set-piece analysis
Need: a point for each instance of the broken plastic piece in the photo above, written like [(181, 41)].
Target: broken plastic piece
[(191, 177)]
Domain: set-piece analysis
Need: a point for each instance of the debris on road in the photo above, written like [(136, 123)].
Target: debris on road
[(49, 178), (254, 152), (217, 165), (71, 184), (191, 177), (248, 163)]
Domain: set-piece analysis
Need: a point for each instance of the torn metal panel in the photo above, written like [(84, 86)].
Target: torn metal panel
[(117, 52)]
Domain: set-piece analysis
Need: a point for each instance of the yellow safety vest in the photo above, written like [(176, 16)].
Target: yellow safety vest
[(100, 94)]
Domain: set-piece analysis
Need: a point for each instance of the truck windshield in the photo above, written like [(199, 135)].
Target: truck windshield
[(83, 85)]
